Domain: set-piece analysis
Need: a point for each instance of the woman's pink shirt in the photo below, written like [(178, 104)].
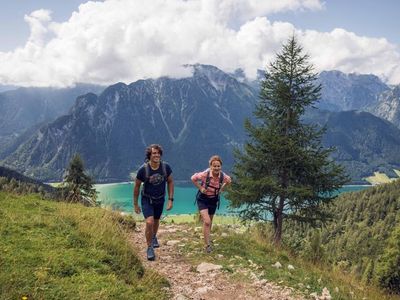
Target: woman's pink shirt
[(214, 181)]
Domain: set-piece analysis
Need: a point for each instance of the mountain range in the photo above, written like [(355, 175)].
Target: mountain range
[(23, 108), (197, 116), (190, 117)]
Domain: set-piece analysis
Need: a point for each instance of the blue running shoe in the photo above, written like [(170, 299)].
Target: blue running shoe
[(150, 253), (154, 242)]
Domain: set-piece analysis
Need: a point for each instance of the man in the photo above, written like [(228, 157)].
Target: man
[(154, 175)]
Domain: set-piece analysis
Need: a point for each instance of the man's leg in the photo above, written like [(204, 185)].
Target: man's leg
[(158, 209), (149, 231), (155, 226)]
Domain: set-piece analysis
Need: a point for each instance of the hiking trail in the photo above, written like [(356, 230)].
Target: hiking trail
[(203, 281)]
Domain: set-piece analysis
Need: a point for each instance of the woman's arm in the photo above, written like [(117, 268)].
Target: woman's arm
[(195, 179)]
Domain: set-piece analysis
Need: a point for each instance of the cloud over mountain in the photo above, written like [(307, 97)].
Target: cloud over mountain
[(126, 40)]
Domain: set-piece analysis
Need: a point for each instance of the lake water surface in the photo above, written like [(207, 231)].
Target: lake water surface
[(118, 196)]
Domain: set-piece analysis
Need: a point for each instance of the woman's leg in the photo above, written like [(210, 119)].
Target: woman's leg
[(211, 219), (206, 225)]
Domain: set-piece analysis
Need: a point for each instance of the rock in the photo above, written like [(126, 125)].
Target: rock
[(172, 242), (263, 281), (203, 290), (326, 295), (181, 297), (277, 265), (224, 234), (253, 276), (290, 267), (207, 267)]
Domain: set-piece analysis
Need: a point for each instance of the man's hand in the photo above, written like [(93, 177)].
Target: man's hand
[(137, 209), (169, 204)]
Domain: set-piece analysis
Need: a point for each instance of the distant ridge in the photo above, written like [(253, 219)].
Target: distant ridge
[(11, 174)]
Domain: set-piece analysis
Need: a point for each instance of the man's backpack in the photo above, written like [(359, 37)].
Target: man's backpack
[(147, 167)]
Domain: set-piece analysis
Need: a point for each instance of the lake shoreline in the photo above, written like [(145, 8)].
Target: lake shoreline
[(119, 197)]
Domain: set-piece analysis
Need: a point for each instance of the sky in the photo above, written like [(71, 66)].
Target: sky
[(62, 42)]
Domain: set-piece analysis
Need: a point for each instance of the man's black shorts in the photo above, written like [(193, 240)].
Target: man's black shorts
[(154, 209)]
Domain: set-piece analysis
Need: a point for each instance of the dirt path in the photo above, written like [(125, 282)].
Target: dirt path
[(192, 282)]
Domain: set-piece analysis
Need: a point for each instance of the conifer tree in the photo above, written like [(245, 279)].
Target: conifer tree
[(388, 268), (283, 171), (78, 185)]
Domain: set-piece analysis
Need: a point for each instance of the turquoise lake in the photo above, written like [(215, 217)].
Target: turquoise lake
[(118, 196)]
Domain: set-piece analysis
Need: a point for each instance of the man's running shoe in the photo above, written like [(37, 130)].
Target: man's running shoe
[(154, 242), (150, 253)]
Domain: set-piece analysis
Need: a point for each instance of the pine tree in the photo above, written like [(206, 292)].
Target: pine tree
[(283, 171), (78, 185), (388, 267)]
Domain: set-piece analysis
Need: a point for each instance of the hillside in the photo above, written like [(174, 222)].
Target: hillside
[(53, 250), (365, 224), (11, 180)]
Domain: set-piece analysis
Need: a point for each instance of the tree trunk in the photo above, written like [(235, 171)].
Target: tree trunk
[(278, 222)]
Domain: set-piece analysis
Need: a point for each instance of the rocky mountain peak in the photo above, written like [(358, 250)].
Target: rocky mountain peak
[(388, 106), (342, 91)]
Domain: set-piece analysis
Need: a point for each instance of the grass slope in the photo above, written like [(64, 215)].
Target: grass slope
[(246, 253), (53, 250)]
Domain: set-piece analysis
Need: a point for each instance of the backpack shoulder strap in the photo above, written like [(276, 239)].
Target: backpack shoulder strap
[(146, 166), (164, 169), (221, 179), (207, 179)]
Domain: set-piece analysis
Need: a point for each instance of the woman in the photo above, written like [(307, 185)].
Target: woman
[(210, 184)]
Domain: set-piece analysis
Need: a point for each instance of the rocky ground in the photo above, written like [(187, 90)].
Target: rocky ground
[(203, 280)]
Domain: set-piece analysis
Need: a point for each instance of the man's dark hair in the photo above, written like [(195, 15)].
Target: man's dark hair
[(153, 146)]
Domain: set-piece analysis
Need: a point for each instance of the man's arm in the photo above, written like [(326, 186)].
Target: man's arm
[(136, 191), (170, 186)]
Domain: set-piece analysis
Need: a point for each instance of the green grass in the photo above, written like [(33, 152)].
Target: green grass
[(243, 253), (54, 250), (190, 218)]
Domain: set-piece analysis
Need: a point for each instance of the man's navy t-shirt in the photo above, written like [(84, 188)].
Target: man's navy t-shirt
[(155, 186)]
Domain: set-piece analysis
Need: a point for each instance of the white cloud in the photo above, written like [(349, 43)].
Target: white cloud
[(37, 22), (126, 40), (347, 52)]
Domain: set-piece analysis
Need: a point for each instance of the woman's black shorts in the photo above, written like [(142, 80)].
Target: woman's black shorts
[(210, 203)]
